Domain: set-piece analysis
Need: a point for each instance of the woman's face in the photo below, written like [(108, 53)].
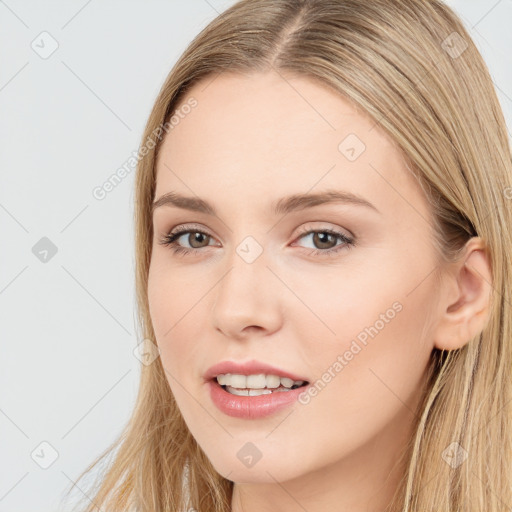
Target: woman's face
[(355, 319)]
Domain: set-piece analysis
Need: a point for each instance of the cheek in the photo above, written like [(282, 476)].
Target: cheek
[(171, 296), (168, 304), (369, 389), (379, 303), (178, 314), (368, 346)]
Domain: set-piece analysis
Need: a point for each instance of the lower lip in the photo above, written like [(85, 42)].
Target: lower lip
[(252, 407)]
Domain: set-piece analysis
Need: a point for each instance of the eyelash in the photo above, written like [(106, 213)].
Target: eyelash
[(171, 238)]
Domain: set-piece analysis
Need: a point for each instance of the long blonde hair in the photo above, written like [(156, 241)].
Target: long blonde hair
[(414, 68)]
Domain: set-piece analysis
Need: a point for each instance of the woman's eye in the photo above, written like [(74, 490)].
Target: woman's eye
[(324, 241), (194, 237)]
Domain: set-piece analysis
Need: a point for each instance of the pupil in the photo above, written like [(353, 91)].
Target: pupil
[(323, 237), (197, 238)]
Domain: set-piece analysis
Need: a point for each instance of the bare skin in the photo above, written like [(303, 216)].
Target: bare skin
[(250, 141)]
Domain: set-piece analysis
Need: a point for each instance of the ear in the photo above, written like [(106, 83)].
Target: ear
[(466, 298)]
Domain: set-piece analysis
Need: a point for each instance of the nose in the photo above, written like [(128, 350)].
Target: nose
[(247, 300)]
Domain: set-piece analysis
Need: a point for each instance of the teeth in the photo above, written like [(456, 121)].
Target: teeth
[(255, 392), (256, 382), (248, 392)]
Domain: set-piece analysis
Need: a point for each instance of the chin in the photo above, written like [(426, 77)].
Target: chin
[(262, 472)]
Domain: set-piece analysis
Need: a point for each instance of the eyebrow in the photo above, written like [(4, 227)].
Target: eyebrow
[(280, 207)]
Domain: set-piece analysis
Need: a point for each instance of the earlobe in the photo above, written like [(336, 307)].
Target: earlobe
[(465, 299)]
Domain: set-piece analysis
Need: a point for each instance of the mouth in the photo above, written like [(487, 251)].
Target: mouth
[(256, 385), (253, 390)]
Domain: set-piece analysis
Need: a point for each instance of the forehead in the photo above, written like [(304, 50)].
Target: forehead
[(264, 135)]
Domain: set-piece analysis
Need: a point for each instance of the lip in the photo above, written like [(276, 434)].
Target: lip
[(248, 368), (252, 407)]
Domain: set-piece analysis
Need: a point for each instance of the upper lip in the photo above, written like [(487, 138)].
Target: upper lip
[(248, 368)]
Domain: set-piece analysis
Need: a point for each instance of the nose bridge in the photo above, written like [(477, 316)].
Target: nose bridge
[(248, 275), (246, 294)]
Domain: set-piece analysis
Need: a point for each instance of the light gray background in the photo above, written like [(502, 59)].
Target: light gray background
[(68, 374)]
